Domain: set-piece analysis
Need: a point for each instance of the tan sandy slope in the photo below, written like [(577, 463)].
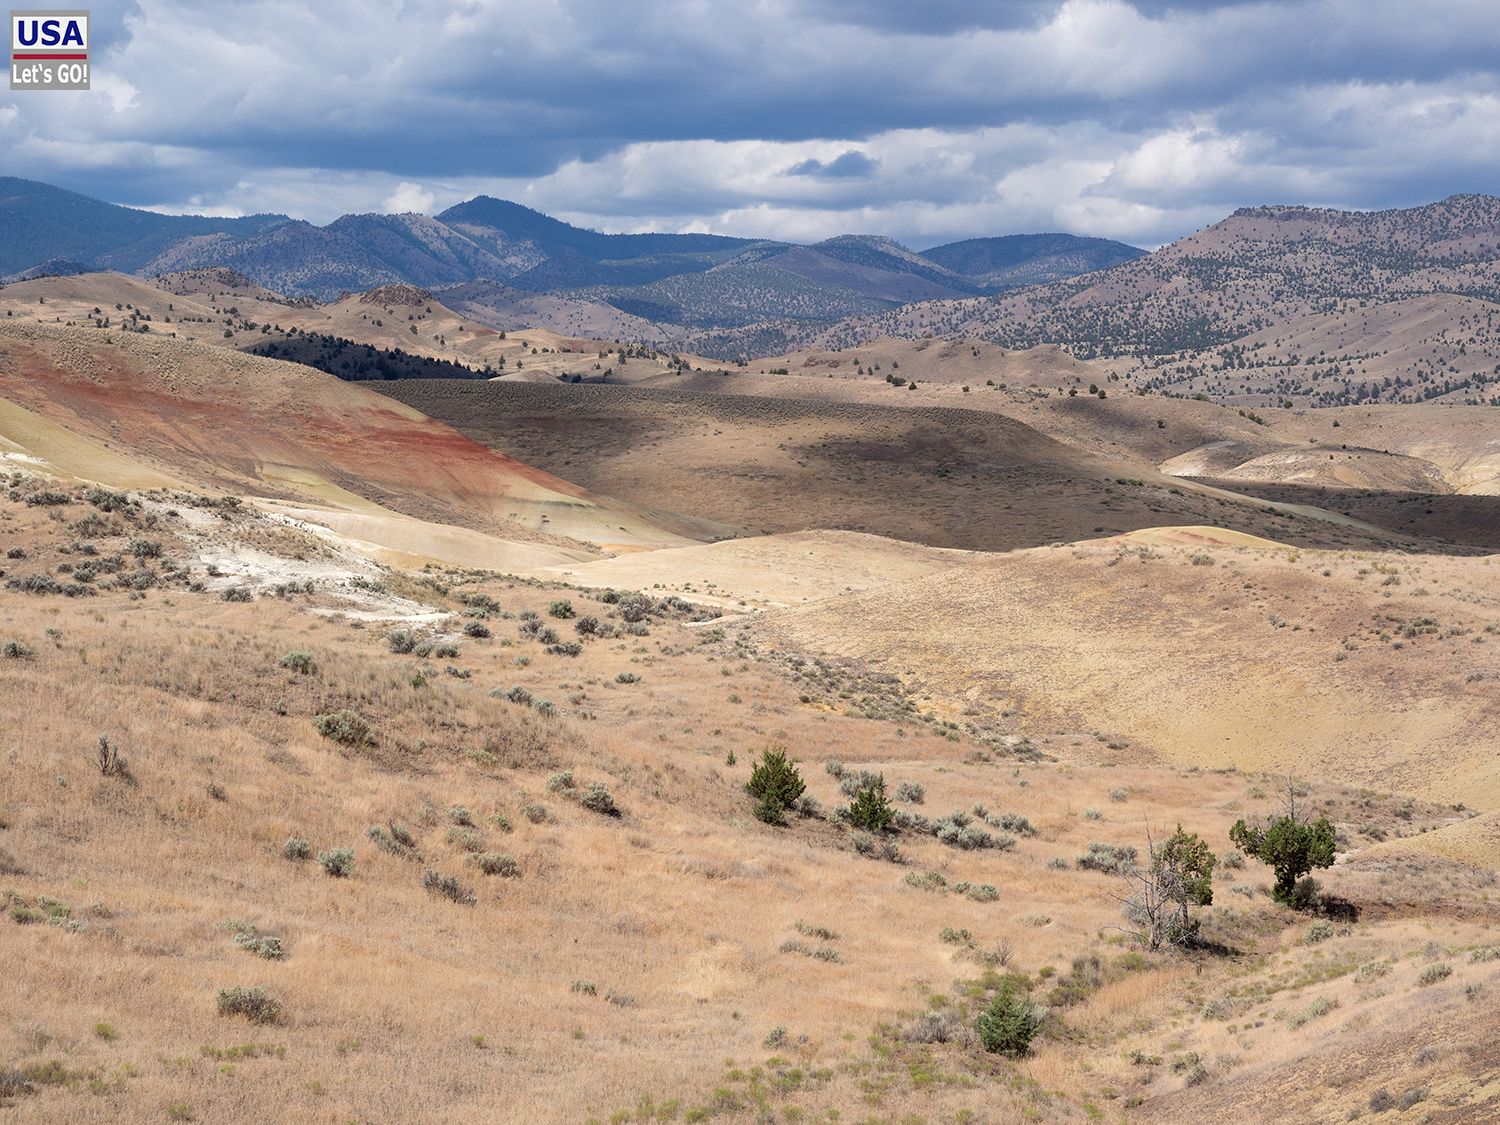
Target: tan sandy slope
[(267, 428), (769, 570), (1376, 670)]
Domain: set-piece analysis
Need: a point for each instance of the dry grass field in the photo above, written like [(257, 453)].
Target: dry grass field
[(1255, 657), (517, 646), (616, 974)]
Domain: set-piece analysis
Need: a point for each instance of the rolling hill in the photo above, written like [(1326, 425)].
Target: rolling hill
[(330, 450), (1202, 648), (942, 476), (1260, 267)]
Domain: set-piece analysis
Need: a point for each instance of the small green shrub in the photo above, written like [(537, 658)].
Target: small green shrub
[(252, 1003), (16, 650), (1432, 974), (926, 881), (1014, 823), (1111, 859), (296, 848), (253, 941), (596, 798), (911, 792), (392, 843), (496, 863), (348, 728), (562, 609), (337, 863), (448, 887), (300, 662), (870, 809), (466, 838), (1009, 1023), (1318, 931), (775, 783)]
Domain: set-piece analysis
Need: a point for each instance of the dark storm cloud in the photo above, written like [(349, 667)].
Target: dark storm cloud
[(779, 117)]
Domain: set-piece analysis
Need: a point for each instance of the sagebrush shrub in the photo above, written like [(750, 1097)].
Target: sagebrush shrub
[(465, 838), (338, 863), (389, 842), (346, 727), (1014, 823), (448, 887), (262, 945), (1321, 930), (296, 848), (596, 798), (253, 1003), (910, 791), (496, 863), (1432, 974), (300, 662), (1111, 859)]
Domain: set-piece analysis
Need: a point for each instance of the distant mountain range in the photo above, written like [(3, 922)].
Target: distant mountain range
[(1260, 267), (686, 288)]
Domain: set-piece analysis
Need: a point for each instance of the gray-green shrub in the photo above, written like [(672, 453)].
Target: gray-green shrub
[(338, 863)]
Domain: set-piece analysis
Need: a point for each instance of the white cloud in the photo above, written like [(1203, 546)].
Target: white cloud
[(1134, 120), (408, 197)]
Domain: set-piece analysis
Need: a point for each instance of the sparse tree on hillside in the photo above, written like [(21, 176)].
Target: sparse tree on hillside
[(1291, 845), (871, 809), (1177, 875), (775, 783)]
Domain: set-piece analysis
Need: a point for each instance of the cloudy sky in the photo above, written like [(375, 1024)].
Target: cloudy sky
[(927, 120)]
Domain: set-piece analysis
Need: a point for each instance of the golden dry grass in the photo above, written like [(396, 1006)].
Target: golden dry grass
[(1372, 669), (386, 986)]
